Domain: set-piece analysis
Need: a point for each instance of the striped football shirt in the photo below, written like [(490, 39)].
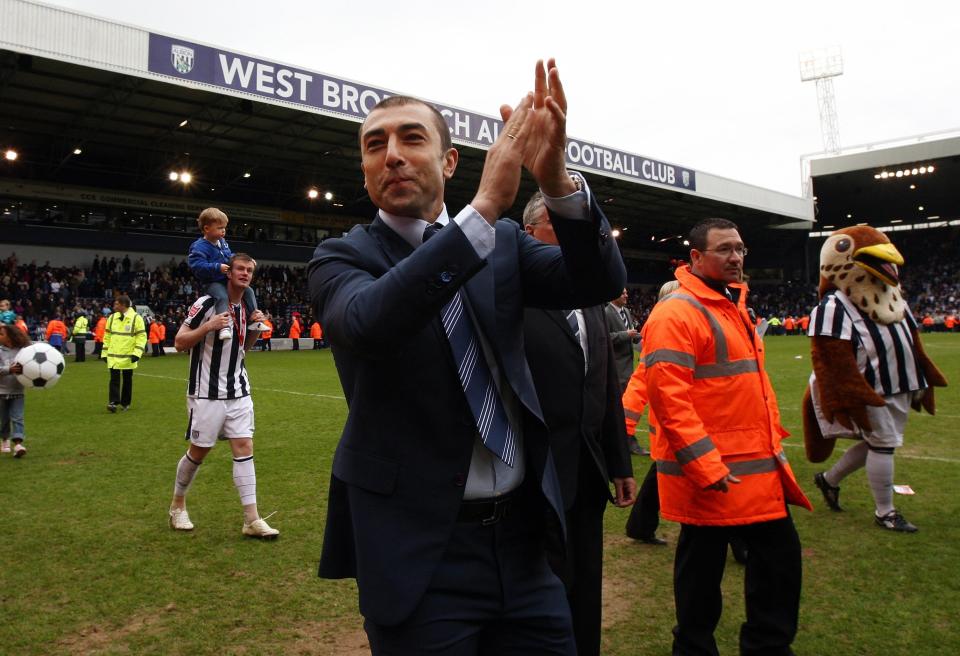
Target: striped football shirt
[(217, 367), (885, 353)]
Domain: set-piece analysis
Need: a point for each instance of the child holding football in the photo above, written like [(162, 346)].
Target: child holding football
[(12, 339)]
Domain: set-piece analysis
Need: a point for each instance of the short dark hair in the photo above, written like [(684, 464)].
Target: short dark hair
[(439, 122), (243, 257), (124, 300), (698, 233)]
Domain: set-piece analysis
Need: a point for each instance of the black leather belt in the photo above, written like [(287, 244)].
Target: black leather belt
[(485, 511)]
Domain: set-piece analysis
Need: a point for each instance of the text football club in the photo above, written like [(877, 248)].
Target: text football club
[(228, 70)]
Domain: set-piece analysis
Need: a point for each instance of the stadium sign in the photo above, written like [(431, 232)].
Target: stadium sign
[(330, 95)]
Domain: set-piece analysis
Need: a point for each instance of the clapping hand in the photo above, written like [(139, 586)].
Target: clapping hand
[(534, 137)]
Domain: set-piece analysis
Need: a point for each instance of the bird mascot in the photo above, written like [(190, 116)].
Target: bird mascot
[(869, 367)]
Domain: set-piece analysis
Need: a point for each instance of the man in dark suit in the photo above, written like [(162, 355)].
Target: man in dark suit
[(438, 496), (571, 360), (624, 334)]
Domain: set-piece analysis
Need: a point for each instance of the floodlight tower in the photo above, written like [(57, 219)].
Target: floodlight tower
[(823, 65)]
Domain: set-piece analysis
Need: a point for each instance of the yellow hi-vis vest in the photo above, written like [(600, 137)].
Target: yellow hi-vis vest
[(125, 337)]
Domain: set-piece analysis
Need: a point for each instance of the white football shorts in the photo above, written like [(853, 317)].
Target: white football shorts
[(211, 419)]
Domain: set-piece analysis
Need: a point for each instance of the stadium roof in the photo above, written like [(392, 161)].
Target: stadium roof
[(908, 182), (139, 104)]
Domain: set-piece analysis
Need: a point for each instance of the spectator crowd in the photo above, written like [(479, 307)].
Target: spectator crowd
[(41, 293)]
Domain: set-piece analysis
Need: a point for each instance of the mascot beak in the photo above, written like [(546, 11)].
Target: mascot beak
[(880, 260)]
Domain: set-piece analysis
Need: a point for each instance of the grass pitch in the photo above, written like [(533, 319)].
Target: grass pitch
[(93, 568)]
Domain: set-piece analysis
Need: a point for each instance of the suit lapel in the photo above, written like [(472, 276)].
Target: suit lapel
[(596, 332), (481, 296), (392, 245), (560, 317)]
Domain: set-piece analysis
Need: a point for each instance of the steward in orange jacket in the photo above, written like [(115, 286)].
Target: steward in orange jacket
[(154, 338), (266, 335), (316, 334), (296, 327), (721, 469), (163, 335), (715, 407), (98, 333), (56, 333)]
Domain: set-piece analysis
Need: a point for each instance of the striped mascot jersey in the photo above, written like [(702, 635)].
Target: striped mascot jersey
[(885, 353), (217, 367)]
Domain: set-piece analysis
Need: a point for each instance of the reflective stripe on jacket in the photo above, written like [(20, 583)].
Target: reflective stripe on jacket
[(81, 327), (635, 398), (715, 410), (124, 338)]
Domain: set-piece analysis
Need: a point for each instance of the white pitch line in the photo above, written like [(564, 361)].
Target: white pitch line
[(259, 389), (899, 455)]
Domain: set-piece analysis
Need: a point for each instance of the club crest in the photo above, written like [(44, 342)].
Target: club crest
[(685, 177), (182, 59)]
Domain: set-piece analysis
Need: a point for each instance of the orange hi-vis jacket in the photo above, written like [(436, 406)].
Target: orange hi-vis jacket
[(714, 410), (55, 326), (268, 333), (295, 328), (635, 398), (154, 335), (100, 329), (316, 332)]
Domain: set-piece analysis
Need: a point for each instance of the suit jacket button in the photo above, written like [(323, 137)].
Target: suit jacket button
[(459, 479), (446, 277)]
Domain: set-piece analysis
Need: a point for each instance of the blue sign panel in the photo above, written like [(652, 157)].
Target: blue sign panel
[(228, 70)]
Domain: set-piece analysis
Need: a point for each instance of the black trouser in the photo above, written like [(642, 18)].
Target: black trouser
[(121, 393), (771, 587), (579, 561), (492, 594), (296, 344), (97, 349), (81, 353), (266, 346), (317, 345), (645, 514)]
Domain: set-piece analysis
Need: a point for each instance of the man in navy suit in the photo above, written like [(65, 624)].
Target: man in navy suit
[(437, 505), (575, 373)]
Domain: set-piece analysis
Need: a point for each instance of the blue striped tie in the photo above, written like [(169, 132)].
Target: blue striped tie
[(475, 378), (481, 393)]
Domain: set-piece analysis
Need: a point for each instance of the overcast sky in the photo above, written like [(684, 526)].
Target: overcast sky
[(712, 86)]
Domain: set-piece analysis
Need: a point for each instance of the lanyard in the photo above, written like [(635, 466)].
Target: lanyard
[(239, 315)]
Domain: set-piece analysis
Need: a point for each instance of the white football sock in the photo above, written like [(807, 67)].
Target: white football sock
[(880, 477), (853, 459), (186, 471), (245, 478)]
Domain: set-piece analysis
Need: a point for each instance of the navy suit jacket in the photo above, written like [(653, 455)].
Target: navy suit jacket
[(583, 411), (400, 467)]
